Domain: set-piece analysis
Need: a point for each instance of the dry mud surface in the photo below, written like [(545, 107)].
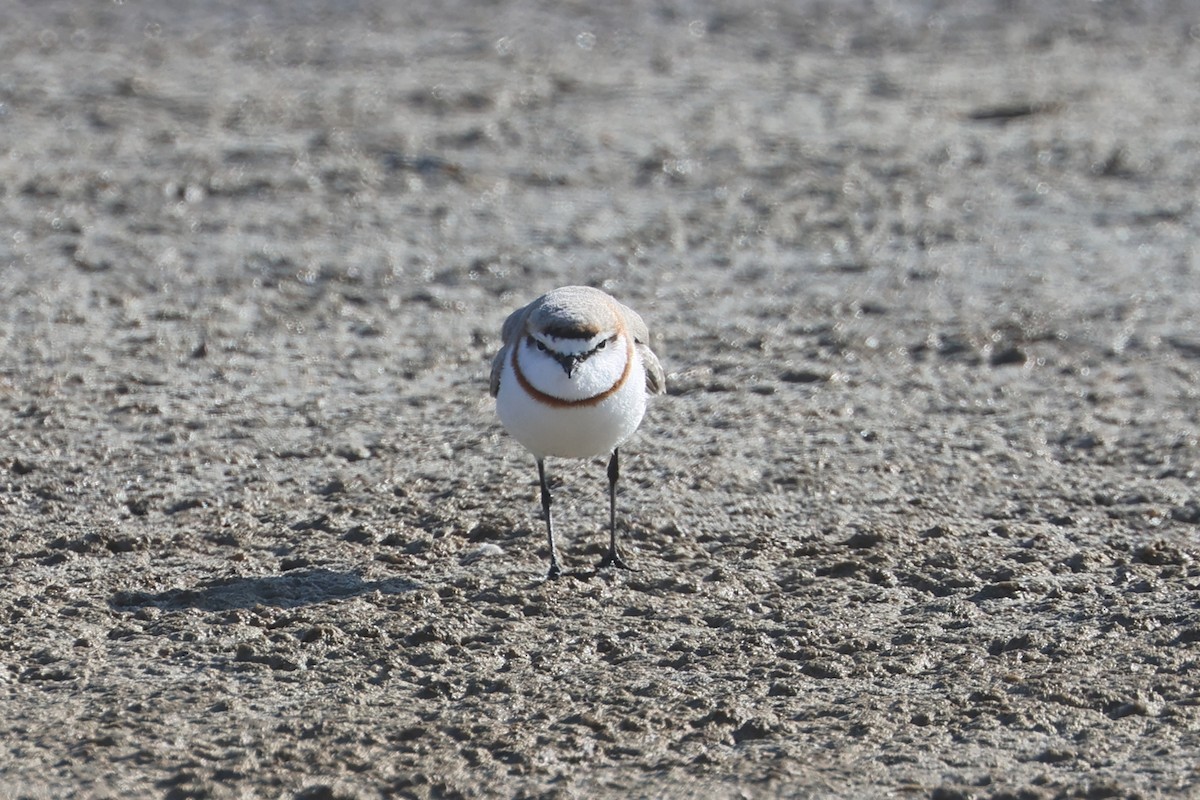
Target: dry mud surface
[(918, 517)]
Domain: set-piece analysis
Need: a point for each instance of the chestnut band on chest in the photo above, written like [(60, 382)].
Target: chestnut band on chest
[(558, 402)]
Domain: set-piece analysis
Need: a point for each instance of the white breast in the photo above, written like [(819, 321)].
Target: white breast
[(573, 431)]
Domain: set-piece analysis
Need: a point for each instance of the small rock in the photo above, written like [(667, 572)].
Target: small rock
[(802, 376), (1188, 513), (485, 550), (1007, 356)]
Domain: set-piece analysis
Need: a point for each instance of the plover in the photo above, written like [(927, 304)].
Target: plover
[(571, 381)]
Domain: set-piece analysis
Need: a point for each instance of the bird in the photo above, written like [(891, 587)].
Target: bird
[(571, 380)]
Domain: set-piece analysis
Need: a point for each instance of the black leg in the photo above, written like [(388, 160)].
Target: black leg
[(555, 569), (613, 559)]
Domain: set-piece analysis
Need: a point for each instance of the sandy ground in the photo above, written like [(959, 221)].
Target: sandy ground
[(917, 518)]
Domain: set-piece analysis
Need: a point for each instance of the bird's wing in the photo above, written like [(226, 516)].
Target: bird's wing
[(656, 379), (635, 324), (497, 370), (510, 335), (514, 326)]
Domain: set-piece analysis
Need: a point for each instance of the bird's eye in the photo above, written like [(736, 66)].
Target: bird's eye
[(602, 345), (541, 347)]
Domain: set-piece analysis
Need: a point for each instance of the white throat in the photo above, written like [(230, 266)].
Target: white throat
[(596, 365)]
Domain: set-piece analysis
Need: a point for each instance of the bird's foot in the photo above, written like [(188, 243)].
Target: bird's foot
[(614, 559), (555, 571)]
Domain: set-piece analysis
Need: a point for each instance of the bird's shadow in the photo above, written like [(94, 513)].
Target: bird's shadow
[(289, 590)]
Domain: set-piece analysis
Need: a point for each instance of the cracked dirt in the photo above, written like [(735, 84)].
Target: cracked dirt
[(917, 518)]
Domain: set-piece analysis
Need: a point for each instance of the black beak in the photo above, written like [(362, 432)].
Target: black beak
[(569, 363)]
